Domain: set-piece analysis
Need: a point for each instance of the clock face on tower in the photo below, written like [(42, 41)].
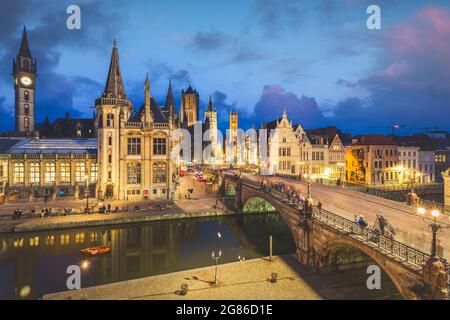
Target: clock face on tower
[(26, 81)]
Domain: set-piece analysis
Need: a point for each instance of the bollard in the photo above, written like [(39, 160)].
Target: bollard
[(270, 248)]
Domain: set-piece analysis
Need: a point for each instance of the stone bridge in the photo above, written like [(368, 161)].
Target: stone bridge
[(322, 236)]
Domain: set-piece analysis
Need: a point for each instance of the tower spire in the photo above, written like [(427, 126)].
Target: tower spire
[(210, 105), (24, 48), (114, 87), (170, 101), (147, 90)]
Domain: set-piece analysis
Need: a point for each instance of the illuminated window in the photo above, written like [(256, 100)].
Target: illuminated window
[(26, 109), (50, 172), (159, 172), (19, 173), (80, 172), (65, 172), (34, 172), (94, 172), (26, 95), (26, 122)]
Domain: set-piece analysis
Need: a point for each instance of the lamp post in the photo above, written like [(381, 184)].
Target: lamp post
[(216, 260), (434, 225), (86, 193)]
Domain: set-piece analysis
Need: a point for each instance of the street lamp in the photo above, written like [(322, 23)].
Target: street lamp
[(216, 260), (433, 224), (86, 193)]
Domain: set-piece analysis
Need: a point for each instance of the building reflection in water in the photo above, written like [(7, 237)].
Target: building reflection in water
[(32, 264)]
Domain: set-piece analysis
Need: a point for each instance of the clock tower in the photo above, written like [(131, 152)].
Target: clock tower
[(24, 72)]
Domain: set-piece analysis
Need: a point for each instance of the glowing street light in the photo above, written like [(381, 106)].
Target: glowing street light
[(433, 224)]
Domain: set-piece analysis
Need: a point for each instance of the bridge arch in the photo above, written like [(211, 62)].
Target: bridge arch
[(285, 213), (257, 204), (327, 248)]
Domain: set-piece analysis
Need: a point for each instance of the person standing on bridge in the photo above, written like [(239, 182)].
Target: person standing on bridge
[(380, 224), (361, 222)]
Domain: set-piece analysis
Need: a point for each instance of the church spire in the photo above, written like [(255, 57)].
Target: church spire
[(170, 101), (24, 48), (147, 90), (114, 83), (210, 105)]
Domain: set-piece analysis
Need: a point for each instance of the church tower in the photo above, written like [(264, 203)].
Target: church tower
[(24, 72), (189, 106), (113, 108), (211, 125)]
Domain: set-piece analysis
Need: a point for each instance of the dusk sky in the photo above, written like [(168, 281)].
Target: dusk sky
[(316, 59)]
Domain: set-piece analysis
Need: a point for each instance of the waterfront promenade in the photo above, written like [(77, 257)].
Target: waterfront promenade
[(203, 204), (238, 281)]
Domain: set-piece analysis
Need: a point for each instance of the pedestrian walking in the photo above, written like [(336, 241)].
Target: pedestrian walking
[(319, 206)]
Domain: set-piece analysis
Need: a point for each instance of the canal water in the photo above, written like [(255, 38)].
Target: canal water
[(33, 264)]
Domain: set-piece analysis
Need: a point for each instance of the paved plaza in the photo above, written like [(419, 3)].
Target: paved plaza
[(239, 281)]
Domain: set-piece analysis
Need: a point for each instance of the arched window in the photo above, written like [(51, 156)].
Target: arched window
[(65, 172), (19, 173), (134, 173), (26, 109), (159, 172), (26, 122), (110, 120), (26, 95), (50, 172), (35, 172)]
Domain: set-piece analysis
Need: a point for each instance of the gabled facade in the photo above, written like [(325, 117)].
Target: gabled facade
[(134, 147)]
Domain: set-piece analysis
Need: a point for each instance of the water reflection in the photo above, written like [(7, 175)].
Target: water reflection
[(32, 264)]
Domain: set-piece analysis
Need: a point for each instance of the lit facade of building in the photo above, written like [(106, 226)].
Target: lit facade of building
[(48, 168), (134, 148), (371, 160), (446, 178), (409, 164), (427, 164), (291, 153)]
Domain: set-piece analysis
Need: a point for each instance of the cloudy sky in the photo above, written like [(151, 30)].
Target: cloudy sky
[(316, 59)]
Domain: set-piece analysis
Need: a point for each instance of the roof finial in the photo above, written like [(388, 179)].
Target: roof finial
[(115, 43)]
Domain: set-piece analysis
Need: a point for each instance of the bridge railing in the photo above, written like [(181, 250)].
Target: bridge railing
[(366, 235), (387, 245)]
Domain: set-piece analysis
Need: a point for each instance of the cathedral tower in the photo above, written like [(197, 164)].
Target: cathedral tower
[(113, 108), (189, 106), (24, 72)]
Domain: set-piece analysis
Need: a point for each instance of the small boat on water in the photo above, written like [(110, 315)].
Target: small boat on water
[(93, 251)]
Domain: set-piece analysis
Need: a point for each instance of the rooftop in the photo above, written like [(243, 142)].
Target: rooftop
[(374, 140), (55, 146)]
